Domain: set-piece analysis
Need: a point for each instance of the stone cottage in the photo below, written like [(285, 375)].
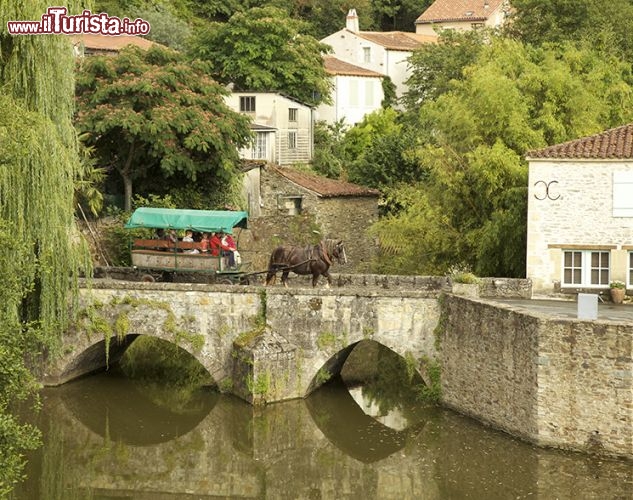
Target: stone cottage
[(580, 213), (290, 206)]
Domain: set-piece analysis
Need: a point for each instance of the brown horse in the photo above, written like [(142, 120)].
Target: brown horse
[(315, 260)]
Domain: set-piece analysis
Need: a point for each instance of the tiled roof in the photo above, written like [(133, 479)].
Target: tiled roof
[(334, 66), (324, 187), (458, 10), (109, 43), (397, 40), (615, 143)]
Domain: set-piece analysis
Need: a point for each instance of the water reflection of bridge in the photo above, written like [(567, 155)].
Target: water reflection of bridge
[(294, 450)]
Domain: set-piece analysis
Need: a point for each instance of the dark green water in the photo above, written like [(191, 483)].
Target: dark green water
[(106, 437)]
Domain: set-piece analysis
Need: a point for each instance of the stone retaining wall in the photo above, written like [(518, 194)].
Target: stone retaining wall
[(555, 382)]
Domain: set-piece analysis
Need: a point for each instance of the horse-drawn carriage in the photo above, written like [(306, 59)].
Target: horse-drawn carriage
[(162, 257)]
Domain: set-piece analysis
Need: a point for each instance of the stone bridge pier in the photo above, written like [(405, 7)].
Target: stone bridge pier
[(261, 344)]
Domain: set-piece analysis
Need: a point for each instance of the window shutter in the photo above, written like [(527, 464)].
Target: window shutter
[(622, 194)]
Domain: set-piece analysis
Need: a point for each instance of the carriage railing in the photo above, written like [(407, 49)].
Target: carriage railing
[(166, 255)]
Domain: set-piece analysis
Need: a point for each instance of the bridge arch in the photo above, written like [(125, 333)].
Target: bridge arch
[(273, 340), (365, 355)]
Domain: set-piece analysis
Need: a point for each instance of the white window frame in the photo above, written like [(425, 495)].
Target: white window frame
[(293, 114), (366, 54), (622, 194), (260, 146), (586, 268), (292, 140)]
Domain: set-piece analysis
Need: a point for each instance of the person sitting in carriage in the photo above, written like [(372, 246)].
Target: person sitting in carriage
[(228, 246), (214, 244)]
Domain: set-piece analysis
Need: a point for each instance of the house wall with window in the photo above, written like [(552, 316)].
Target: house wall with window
[(386, 53), (283, 128), (464, 15), (357, 92), (580, 224)]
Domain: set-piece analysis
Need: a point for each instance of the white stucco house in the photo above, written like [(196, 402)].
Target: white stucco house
[(462, 15), (356, 92), (580, 213), (385, 53), (283, 127)]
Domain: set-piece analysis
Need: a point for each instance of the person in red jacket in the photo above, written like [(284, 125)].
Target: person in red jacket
[(214, 244)]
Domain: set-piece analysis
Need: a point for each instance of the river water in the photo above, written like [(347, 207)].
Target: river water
[(108, 437)]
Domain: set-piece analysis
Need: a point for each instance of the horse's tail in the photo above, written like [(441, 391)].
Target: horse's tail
[(273, 265)]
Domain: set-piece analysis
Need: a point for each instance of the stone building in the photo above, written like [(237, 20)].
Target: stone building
[(289, 206), (580, 213)]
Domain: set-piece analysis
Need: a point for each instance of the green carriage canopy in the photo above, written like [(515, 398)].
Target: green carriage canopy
[(205, 221)]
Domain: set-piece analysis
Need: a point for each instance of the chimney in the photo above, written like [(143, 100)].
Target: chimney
[(486, 5), (351, 22)]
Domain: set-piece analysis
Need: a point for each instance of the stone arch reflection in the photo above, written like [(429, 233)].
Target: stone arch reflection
[(344, 423), (103, 404)]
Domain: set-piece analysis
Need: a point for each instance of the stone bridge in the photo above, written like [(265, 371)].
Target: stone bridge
[(262, 344)]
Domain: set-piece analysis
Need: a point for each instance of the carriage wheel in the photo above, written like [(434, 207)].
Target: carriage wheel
[(226, 281), (148, 278)]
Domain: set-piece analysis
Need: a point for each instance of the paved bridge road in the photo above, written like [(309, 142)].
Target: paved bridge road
[(569, 308)]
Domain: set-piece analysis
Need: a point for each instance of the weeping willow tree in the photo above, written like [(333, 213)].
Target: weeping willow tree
[(41, 253)]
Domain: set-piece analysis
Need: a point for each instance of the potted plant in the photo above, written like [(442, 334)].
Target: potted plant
[(464, 282), (617, 290)]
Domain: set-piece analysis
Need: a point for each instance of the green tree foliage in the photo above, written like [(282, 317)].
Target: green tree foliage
[(166, 28), (513, 98), (594, 23), (398, 15), (40, 251), (380, 151), (434, 66), (263, 49), (153, 114), (329, 154), (329, 16)]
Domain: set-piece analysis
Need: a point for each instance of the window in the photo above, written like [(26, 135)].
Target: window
[(629, 274), (260, 146), (622, 194), (369, 93), (291, 204), (354, 99), (585, 268), (367, 54), (292, 140), (477, 26), (247, 104), (292, 114)]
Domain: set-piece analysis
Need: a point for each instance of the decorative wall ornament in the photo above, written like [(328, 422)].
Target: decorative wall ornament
[(546, 193)]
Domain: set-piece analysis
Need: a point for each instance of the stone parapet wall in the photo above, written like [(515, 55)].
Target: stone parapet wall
[(555, 382)]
